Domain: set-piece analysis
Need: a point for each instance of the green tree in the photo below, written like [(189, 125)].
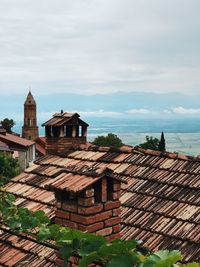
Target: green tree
[(9, 168), (162, 146), (7, 124), (154, 143), (151, 143), (109, 140)]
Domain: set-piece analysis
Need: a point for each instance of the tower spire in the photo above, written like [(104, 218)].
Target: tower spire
[(30, 128)]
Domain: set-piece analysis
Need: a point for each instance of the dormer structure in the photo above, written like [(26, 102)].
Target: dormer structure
[(30, 128), (63, 132)]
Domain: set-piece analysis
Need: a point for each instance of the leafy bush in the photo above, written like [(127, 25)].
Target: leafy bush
[(151, 143), (154, 143), (9, 168), (109, 140)]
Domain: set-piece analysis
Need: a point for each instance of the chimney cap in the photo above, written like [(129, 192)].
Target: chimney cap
[(82, 180), (65, 118)]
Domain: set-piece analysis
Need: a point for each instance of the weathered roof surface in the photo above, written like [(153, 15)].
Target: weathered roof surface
[(60, 119), (160, 202), (21, 250), (40, 143), (4, 147), (14, 139)]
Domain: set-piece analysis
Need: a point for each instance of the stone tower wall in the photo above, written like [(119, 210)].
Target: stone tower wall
[(30, 128)]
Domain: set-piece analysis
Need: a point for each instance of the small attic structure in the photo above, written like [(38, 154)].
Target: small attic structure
[(64, 131)]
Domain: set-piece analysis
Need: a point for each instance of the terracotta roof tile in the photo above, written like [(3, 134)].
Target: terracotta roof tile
[(4, 147), (16, 139), (160, 202)]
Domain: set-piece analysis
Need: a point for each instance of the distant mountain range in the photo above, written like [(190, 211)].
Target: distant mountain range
[(116, 104)]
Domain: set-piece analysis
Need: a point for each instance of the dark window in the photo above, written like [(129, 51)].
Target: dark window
[(29, 122), (98, 191), (56, 131), (68, 131), (110, 189)]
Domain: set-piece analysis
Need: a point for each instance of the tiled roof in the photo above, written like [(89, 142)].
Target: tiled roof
[(21, 250), (40, 143), (4, 147), (60, 119), (160, 202), (16, 140)]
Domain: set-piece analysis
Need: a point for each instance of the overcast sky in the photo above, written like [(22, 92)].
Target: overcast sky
[(99, 46)]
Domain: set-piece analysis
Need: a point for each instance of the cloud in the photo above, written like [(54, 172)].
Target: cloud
[(185, 111), (140, 111), (98, 113), (99, 46)]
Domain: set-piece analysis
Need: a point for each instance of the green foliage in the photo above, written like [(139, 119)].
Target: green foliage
[(123, 260), (161, 145), (7, 124), (154, 143), (111, 140), (151, 143), (163, 258), (9, 168), (192, 264), (89, 247)]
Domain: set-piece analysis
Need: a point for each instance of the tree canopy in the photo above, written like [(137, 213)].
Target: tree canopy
[(151, 143), (9, 167), (161, 145), (109, 140), (154, 143), (7, 124)]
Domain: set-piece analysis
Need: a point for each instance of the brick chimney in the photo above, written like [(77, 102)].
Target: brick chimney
[(89, 203), (63, 132)]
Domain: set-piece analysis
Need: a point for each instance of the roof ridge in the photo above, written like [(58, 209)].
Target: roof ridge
[(137, 149)]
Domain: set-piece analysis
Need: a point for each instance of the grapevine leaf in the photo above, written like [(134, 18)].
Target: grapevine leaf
[(91, 244), (54, 231), (40, 215), (66, 252), (87, 259), (10, 197), (192, 264), (163, 258), (76, 244), (125, 260), (117, 247), (43, 234)]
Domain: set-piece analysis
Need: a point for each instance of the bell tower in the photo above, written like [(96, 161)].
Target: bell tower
[(30, 128)]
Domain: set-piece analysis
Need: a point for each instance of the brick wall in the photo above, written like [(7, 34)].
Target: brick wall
[(59, 145), (86, 214)]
